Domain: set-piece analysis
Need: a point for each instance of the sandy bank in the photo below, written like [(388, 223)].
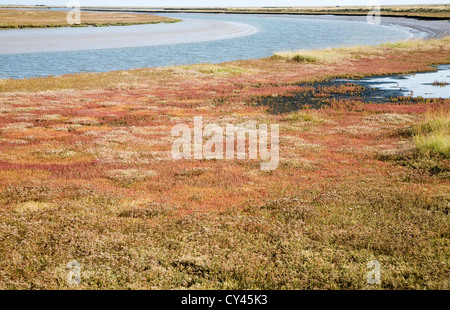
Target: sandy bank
[(425, 29), (70, 39)]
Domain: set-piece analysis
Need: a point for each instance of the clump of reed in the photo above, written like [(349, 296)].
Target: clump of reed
[(433, 135)]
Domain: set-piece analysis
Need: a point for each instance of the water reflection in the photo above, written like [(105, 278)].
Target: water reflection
[(415, 85)]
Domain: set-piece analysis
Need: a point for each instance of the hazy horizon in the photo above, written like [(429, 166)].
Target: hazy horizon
[(221, 3)]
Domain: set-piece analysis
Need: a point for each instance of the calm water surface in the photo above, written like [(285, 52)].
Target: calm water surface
[(274, 33), (415, 85)]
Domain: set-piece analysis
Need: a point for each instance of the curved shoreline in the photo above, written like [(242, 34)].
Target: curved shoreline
[(189, 30), (425, 28), (76, 39), (31, 52)]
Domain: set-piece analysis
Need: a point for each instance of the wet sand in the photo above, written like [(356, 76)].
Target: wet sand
[(72, 39), (418, 28), (426, 29)]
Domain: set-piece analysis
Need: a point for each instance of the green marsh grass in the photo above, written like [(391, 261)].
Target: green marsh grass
[(433, 135)]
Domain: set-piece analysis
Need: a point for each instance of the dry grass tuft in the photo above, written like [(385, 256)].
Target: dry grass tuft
[(310, 56), (433, 135)]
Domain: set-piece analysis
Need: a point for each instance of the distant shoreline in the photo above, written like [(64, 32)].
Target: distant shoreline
[(431, 21), (426, 12), (333, 13)]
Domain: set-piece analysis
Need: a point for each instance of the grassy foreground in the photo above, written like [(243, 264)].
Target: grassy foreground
[(50, 19), (86, 174)]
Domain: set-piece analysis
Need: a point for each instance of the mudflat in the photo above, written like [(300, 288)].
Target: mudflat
[(69, 39)]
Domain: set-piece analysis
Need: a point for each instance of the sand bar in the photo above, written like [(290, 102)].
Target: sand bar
[(71, 39), (419, 28)]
